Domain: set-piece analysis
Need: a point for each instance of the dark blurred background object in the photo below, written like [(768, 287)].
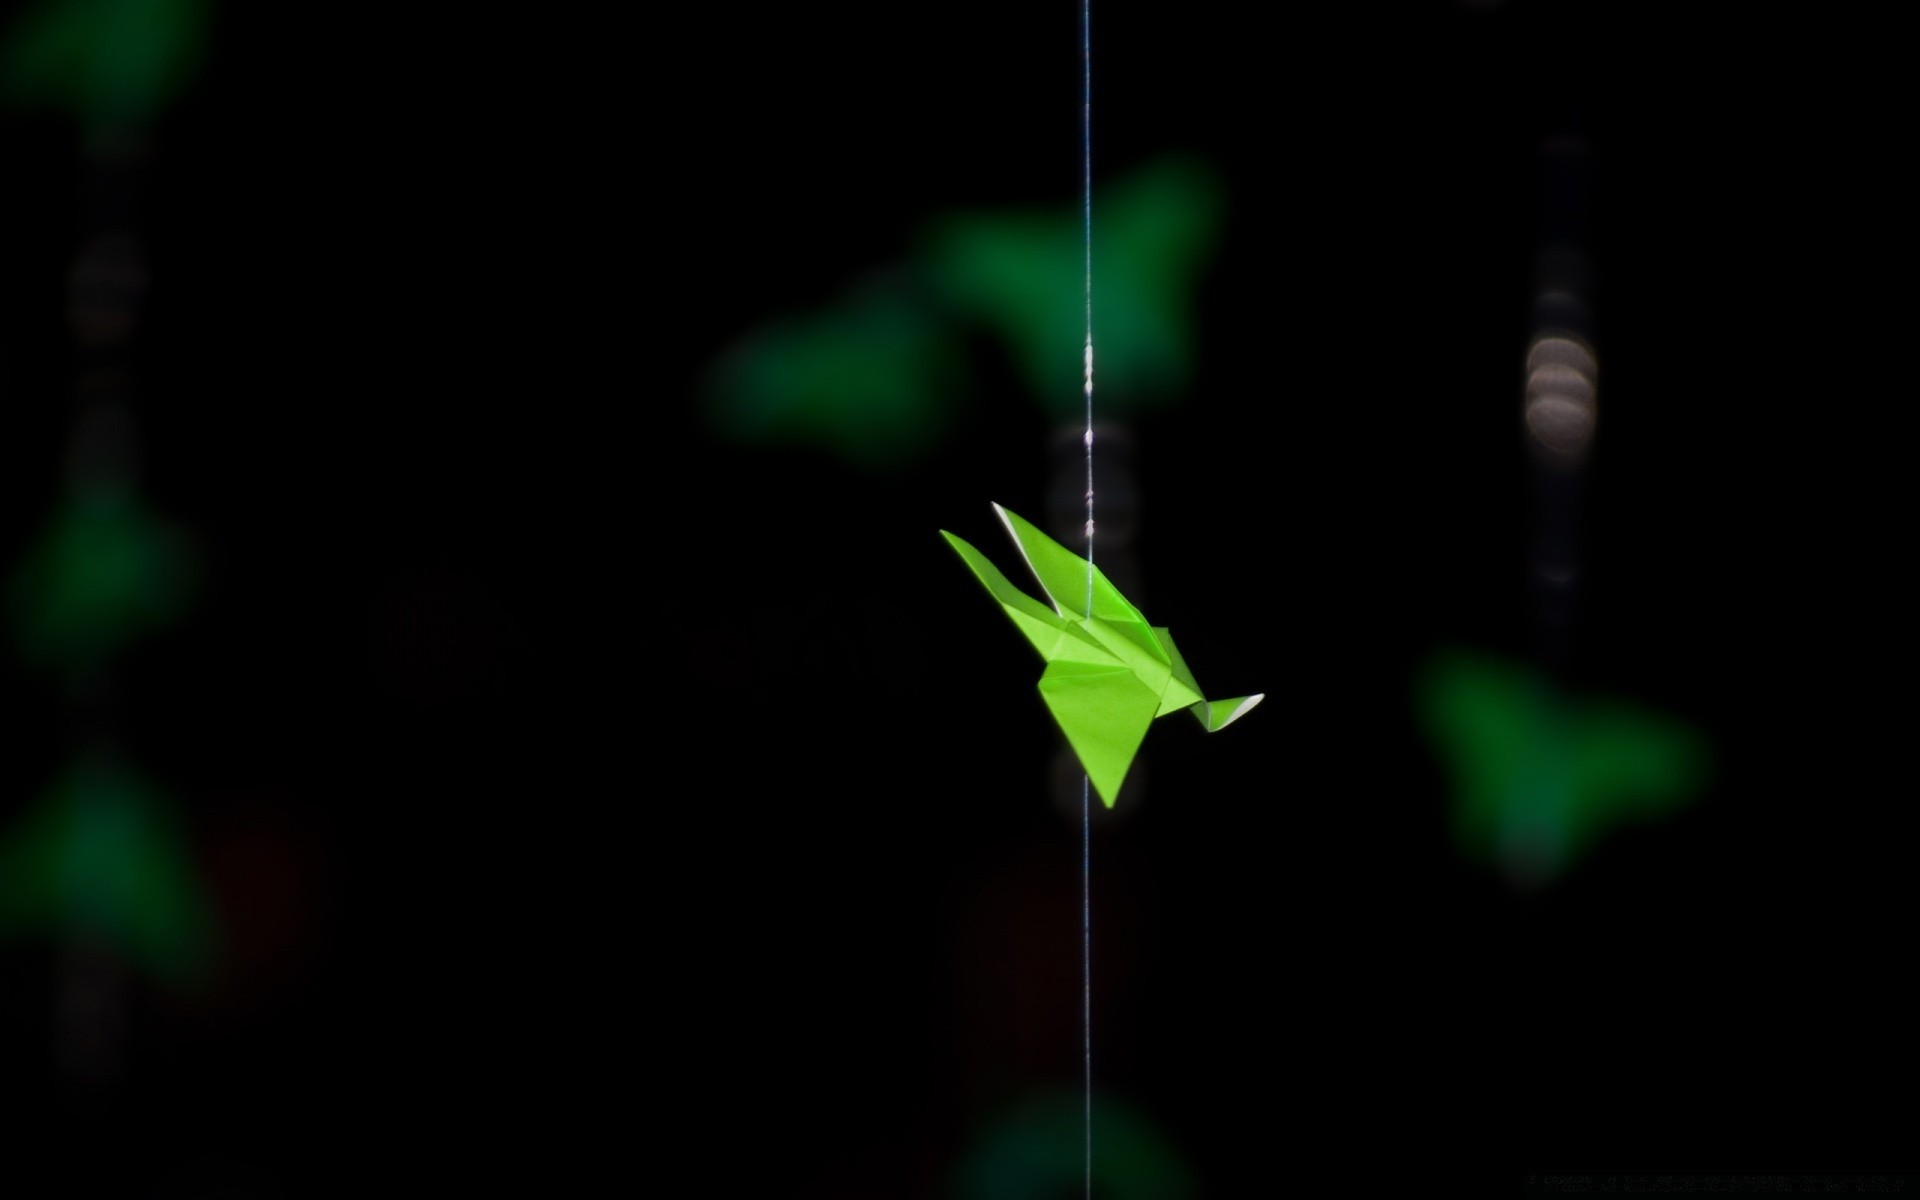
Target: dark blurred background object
[(553, 760)]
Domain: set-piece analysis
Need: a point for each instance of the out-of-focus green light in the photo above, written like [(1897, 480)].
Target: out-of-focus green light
[(104, 572), (1539, 778), (100, 856), (872, 379), (1037, 1151), (875, 377), (113, 64), (1022, 275)]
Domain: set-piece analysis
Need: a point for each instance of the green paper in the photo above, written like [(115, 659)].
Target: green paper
[(1109, 673)]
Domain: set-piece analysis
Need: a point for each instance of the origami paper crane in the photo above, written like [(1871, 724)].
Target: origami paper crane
[(1109, 673)]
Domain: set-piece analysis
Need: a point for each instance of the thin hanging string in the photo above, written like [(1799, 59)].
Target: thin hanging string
[(1086, 961), (1086, 785)]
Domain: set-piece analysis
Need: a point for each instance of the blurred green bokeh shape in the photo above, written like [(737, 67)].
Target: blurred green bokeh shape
[(113, 64), (1037, 1151), (1023, 276), (872, 379), (104, 572), (1539, 779), (101, 856)]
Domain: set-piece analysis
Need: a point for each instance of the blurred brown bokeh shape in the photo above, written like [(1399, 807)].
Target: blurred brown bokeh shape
[(267, 863)]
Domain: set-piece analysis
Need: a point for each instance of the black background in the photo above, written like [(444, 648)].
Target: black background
[(664, 805)]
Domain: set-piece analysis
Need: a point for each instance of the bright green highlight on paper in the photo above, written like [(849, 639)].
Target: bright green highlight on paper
[(1109, 673)]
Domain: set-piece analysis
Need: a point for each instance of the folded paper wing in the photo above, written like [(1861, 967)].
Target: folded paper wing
[(1109, 673)]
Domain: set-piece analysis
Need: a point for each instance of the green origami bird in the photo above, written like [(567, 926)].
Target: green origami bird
[(1109, 673)]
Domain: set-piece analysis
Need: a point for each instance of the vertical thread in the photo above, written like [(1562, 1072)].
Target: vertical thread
[(1086, 785), (1086, 961), (1086, 224)]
